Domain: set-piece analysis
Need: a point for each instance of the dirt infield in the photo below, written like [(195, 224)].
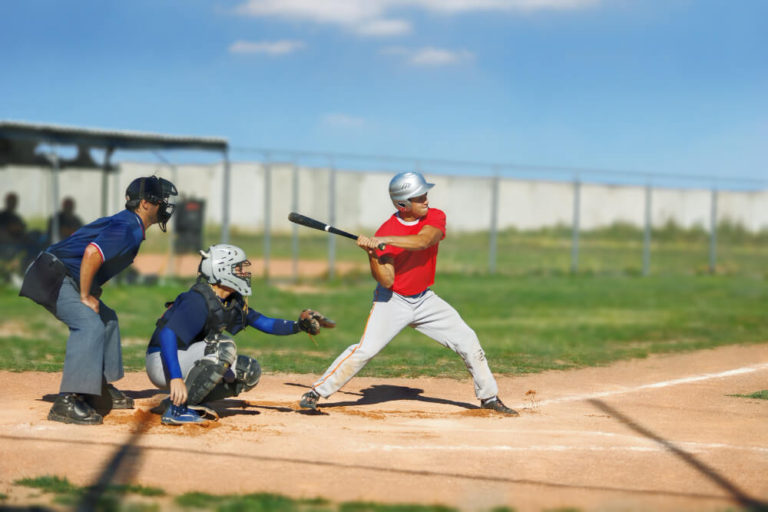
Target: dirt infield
[(655, 434)]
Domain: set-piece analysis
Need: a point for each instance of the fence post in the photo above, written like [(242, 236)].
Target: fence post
[(494, 222), (53, 159), (713, 233), (294, 226), (576, 223), (267, 211), (647, 235), (225, 200), (332, 217)]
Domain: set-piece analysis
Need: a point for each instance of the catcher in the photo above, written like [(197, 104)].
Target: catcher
[(190, 355)]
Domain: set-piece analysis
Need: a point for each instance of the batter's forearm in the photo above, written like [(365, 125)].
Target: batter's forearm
[(382, 271), (426, 238)]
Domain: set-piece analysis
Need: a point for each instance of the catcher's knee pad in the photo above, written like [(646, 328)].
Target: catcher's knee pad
[(202, 378), (220, 349), (247, 372)]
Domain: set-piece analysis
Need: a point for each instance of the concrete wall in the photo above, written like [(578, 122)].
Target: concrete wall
[(362, 203)]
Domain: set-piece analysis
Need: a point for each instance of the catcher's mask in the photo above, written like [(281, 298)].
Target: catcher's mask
[(226, 265), (153, 190), (405, 186)]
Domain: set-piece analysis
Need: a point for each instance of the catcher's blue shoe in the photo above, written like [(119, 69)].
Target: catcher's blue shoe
[(180, 415)]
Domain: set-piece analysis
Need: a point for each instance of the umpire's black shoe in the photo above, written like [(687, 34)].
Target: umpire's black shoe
[(119, 399), (71, 408), (497, 405)]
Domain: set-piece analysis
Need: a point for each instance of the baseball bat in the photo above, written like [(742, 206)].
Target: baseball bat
[(309, 222)]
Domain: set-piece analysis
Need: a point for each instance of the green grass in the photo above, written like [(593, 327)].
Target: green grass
[(258, 502), (112, 499), (760, 395), (525, 323), (617, 249), (116, 499)]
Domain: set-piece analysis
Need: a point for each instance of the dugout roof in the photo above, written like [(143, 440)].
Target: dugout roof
[(20, 144)]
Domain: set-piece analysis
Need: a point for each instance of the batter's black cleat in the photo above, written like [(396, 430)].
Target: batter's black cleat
[(309, 400), (497, 405), (72, 408), (119, 399)]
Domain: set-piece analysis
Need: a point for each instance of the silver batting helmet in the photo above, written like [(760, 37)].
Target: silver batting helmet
[(225, 264), (406, 185)]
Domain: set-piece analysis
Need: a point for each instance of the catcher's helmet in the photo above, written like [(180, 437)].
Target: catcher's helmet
[(225, 264), (406, 185), (154, 190)]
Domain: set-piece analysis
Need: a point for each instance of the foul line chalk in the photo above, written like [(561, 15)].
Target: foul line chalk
[(655, 385), (690, 447)]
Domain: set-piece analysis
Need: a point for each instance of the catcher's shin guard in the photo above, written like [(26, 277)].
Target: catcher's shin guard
[(247, 374), (202, 379), (220, 354)]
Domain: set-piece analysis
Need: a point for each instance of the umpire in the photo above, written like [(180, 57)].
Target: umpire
[(66, 279)]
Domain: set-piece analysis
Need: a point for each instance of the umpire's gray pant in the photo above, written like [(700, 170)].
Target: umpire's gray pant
[(93, 347)]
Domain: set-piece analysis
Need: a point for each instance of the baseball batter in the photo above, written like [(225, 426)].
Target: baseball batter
[(404, 271)]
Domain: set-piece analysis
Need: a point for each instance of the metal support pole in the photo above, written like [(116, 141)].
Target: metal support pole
[(170, 269), (494, 222), (225, 201), (713, 233), (105, 182), (576, 223), (53, 159), (267, 212), (294, 226), (332, 218), (647, 235)]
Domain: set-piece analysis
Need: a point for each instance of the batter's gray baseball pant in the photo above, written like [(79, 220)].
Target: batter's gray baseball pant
[(428, 314)]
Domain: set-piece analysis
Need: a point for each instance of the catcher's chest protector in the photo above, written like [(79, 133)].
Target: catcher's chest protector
[(221, 317)]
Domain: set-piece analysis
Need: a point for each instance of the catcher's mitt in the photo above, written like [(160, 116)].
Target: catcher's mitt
[(311, 321)]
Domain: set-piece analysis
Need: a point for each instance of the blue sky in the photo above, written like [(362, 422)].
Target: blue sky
[(661, 86)]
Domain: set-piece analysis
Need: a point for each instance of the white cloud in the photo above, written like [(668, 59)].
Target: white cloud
[(451, 6), (274, 48), (370, 17), (430, 56), (384, 28), (343, 120)]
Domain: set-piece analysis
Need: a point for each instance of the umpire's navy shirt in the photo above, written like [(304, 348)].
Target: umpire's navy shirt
[(117, 238)]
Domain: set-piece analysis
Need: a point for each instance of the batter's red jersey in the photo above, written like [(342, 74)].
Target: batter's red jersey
[(414, 270)]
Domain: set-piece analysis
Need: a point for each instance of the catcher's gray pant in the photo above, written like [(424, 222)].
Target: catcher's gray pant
[(158, 374), (428, 314), (93, 347)]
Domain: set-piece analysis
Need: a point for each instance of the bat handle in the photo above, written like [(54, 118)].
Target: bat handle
[(382, 246)]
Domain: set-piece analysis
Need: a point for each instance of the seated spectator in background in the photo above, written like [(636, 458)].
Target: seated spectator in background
[(69, 222), (12, 227)]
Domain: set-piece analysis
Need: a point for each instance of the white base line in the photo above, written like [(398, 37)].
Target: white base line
[(649, 447), (655, 385)]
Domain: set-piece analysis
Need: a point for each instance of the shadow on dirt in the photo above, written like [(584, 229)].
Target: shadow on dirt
[(737, 494), (381, 393)]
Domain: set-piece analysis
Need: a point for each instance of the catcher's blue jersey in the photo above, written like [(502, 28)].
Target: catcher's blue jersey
[(117, 238)]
